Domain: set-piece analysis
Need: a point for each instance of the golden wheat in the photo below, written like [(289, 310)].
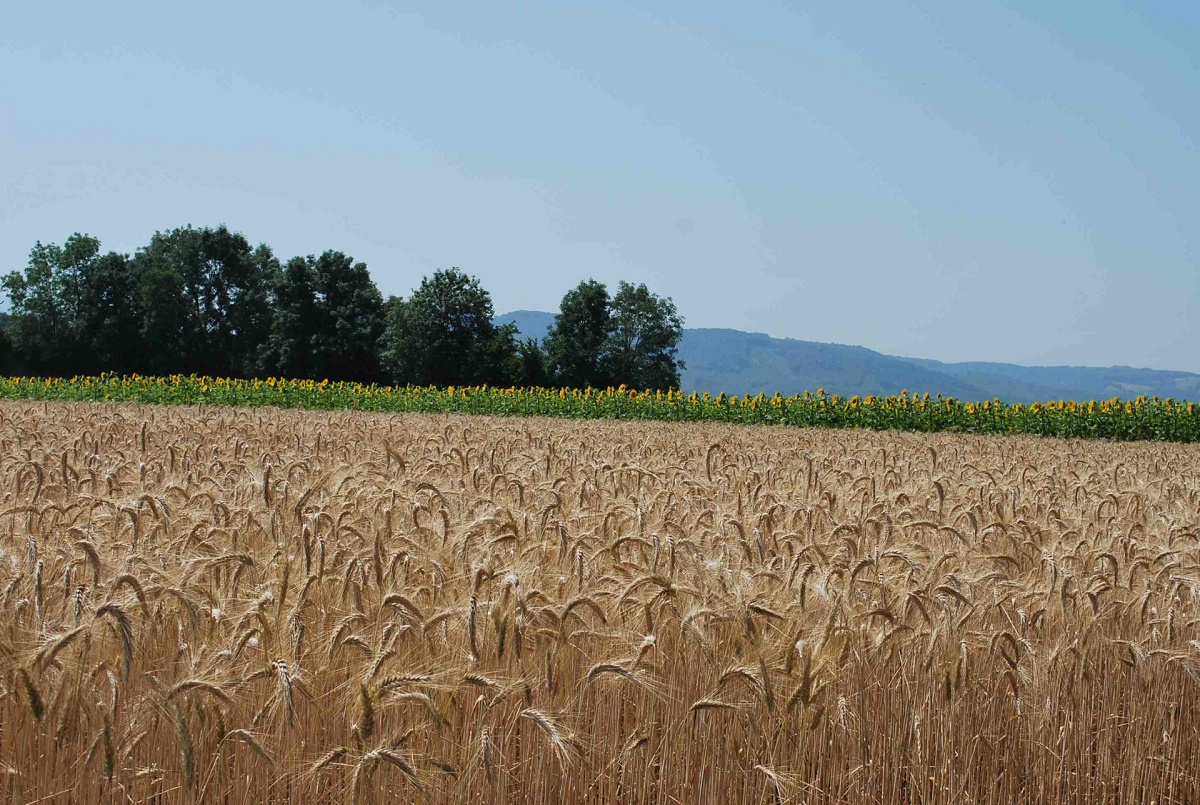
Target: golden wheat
[(218, 605)]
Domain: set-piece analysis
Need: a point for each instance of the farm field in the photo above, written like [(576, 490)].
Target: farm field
[(1139, 419), (262, 605)]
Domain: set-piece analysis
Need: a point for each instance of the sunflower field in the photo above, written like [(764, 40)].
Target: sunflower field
[(1137, 419)]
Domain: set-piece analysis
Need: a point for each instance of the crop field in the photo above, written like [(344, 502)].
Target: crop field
[(1139, 419), (227, 605)]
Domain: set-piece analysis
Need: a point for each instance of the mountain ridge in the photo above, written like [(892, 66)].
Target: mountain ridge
[(736, 362)]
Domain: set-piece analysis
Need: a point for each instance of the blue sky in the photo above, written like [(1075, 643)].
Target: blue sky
[(961, 181)]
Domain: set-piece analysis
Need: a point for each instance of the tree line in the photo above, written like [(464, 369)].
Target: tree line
[(205, 301)]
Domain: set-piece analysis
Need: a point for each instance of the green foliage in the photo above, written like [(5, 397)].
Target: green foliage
[(8, 364), (288, 350), (443, 335), (642, 346), (164, 318), (1138, 419), (630, 338), (205, 302), (196, 301), (533, 370), (205, 299), (328, 319), (47, 301), (575, 345), (75, 310), (110, 318)]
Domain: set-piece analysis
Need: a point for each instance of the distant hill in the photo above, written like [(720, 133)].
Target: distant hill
[(1079, 382), (738, 362)]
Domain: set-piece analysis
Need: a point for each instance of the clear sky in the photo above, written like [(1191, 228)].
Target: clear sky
[(1013, 181)]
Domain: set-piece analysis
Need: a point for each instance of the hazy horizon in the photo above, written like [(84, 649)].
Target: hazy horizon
[(1014, 184), (503, 316)]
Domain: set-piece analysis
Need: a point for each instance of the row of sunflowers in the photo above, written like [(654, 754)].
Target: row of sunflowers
[(1141, 418)]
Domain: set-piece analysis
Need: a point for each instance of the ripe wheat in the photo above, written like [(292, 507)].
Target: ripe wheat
[(244, 606)]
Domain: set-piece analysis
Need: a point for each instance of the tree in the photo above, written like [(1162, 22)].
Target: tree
[(48, 301), (204, 298), (328, 319), (251, 316), (643, 343), (110, 318), (294, 322), (598, 341), (577, 340), (7, 364), (531, 360), (443, 335), (350, 316), (395, 356), (165, 327)]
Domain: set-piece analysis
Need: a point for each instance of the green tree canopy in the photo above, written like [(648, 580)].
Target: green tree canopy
[(205, 300), (443, 335), (576, 343), (643, 345), (110, 317), (58, 304), (328, 319), (288, 351), (631, 338), (531, 364), (7, 364)]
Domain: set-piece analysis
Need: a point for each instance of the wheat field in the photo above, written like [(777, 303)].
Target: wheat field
[(264, 606)]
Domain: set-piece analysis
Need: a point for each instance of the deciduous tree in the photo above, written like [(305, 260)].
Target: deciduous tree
[(204, 294), (642, 347), (328, 319), (443, 335), (576, 342)]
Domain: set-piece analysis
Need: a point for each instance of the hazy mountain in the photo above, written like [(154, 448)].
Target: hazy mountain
[(531, 323), (1080, 382), (738, 362)]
